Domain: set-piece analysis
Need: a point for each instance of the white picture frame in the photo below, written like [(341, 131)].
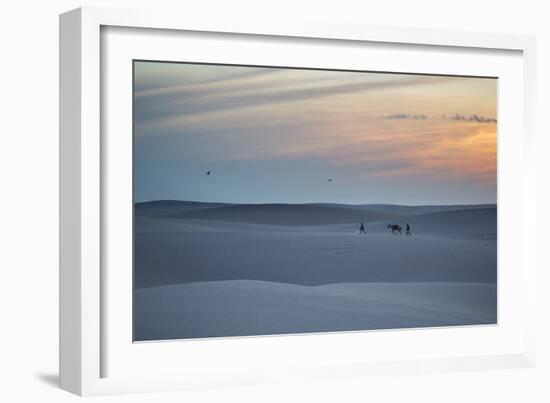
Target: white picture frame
[(92, 348)]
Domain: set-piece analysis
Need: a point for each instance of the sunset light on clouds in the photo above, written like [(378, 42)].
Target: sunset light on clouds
[(275, 135)]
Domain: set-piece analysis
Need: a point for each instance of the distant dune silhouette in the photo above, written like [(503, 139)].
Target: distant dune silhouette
[(284, 214), (399, 210), (288, 214), (168, 208)]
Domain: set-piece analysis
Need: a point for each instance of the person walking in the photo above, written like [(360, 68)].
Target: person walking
[(362, 229), (408, 231)]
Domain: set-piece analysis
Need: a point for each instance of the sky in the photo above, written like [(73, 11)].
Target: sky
[(279, 135)]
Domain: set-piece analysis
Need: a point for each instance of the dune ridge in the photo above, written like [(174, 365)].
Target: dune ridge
[(290, 214)]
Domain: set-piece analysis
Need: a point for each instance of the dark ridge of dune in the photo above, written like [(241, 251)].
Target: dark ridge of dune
[(284, 214), (469, 210), (170, 208), (178, 203), (291, 214), (404, 210), (397, 209)]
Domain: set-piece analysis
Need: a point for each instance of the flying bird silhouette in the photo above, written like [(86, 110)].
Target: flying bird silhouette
[(329, 179), (208, 173)]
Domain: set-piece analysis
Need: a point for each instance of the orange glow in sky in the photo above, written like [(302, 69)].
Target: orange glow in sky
[(375, 131)]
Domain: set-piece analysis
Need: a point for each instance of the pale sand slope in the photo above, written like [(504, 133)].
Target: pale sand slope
[(246, 307), (178, 243), (172, 251)]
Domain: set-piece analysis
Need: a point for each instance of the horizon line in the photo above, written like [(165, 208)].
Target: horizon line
[(310, 203)]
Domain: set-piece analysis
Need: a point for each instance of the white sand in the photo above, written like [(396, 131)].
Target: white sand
[(197, 277), (247, 307)]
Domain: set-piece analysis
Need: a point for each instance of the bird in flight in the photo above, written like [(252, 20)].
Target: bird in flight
[(329, 179), (208, 173)]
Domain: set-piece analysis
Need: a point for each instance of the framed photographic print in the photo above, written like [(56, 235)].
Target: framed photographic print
[(274, 200), (293, 201)]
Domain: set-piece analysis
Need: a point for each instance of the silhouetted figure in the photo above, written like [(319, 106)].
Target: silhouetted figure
[(408, 230), (362, 228), (329, 179), (208, 173)]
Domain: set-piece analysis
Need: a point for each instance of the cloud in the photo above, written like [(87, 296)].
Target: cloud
[(471, 118), (168, 107), (406, 116), (196, 87), (458, 117)]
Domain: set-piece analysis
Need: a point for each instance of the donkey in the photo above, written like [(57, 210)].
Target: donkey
[(395, 229)]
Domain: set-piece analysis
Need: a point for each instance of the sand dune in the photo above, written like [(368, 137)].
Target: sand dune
[(175, 209), (454, 246), (283, 214), (198, 266), (168, 208), (317, 214), (398, 210), (236, 308), (308, 258)]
